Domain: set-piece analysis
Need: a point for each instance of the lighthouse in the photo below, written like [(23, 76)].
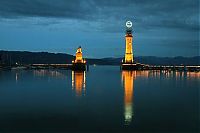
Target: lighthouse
[(79, 63), (128, 60), (79, 56), (128, 41)]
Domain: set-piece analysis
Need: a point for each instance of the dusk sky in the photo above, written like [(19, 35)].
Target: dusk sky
[(160, 27)]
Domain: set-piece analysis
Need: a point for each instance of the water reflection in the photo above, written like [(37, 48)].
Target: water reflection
[(48, 73), (16, 76), (128, 85), (193, 74), (128, 78), (78, 82), (178, 75)]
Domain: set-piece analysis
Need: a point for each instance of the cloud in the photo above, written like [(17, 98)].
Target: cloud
[(166, 23), (181, 14), (45, 8)]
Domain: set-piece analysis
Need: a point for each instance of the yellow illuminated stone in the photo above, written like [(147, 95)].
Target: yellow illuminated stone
[(129, 49), (79, 56)]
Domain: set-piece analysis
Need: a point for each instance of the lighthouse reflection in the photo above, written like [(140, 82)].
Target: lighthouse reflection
[(128, 85), (78, 82)]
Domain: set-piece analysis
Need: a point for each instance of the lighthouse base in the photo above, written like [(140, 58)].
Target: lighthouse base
[(79, 66), (132, 66)]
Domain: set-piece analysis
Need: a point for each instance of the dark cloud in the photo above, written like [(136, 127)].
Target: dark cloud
[(144, 13), (181, 14), (45, 8)]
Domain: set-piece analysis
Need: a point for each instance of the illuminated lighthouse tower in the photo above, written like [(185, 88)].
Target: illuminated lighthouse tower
[(129, 40), (127, 62), (79, 56), (79, 63)]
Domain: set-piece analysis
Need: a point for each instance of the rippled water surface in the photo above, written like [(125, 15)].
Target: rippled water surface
[(101, 99)]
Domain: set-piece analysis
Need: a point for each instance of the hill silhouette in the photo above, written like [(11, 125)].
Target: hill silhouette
[(26, 57)]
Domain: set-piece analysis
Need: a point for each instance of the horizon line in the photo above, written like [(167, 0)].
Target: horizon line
[(97, 57)]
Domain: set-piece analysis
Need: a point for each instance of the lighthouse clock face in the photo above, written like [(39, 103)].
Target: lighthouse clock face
[(128, 24)]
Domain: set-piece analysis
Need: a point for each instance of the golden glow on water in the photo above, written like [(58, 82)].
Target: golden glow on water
[(128, 85), (78, 82), (193, 74), (167, 74), (128, 78), (72, 80), (141, 73)]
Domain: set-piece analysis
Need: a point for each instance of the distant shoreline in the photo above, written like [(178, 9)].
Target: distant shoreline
[(26, 57)]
